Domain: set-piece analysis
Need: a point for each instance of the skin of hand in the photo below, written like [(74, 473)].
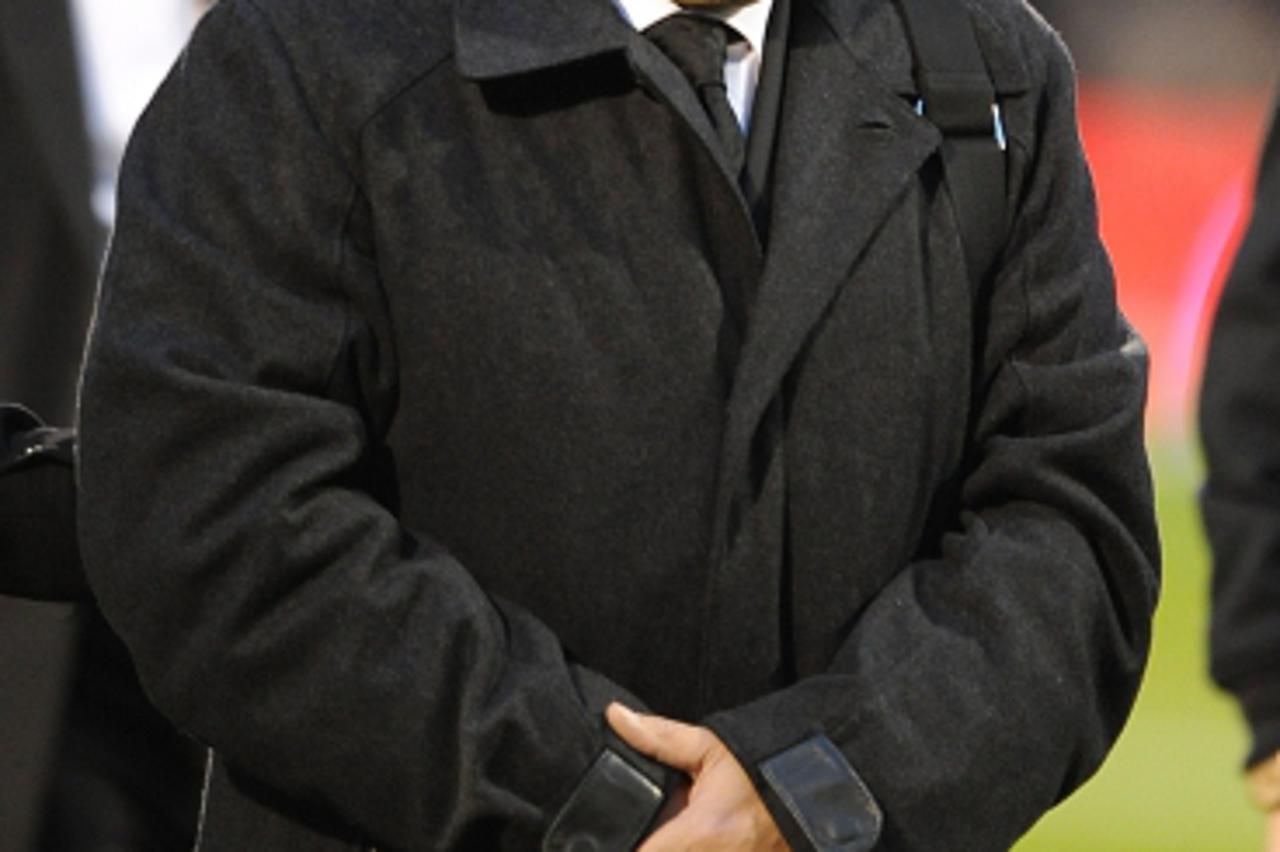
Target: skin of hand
[(720, 810)]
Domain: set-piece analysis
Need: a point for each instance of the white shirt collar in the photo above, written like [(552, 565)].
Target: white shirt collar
[(751, 20)]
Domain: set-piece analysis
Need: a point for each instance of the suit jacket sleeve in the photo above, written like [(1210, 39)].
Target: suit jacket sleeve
[(37, 510), (1240, 425), (235, 515), (986, 682)]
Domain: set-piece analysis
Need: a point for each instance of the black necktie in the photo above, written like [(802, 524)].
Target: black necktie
[(698, 45)]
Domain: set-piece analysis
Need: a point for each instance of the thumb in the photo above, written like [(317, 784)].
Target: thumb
[(676, 744)]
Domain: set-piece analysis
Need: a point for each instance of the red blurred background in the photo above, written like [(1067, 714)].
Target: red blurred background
[(1174, 100), (1174, 176)]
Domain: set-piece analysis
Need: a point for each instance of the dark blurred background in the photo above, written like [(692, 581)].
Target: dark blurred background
[(1189, 43)]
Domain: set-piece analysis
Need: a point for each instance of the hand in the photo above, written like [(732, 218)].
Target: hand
[(1273, 831), (721, 810)]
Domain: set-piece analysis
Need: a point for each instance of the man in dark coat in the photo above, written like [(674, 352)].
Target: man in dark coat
[(1240, 425), (443, 392)]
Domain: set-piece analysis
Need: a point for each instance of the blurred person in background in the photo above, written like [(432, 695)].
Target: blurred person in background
[(85, 762), (1240, 427)]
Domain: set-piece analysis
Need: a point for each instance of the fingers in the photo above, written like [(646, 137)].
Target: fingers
[(676, 744), (672, 836), (704, 829), (1272, 843), (677, 801), (720, 810)]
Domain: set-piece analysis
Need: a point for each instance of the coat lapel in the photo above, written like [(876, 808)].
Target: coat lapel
[(848, 145), (36, 44)]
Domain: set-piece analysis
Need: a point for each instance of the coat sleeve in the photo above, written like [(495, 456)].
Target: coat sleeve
[(235, 515), (38, 555), (1240, 427), (985, 682)]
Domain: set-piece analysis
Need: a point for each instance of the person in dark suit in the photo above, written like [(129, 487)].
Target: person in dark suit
[(50, 241), (87, 762), (472, 462), (1240, 427), (50, 245)]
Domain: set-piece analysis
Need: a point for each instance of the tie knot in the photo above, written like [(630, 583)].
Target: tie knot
[(696, 44)]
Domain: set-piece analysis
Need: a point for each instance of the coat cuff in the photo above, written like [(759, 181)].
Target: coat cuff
[(1260, 699), (611, 808), (616, 799), (817, 799)]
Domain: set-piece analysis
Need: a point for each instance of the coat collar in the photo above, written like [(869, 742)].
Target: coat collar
[(499, 38)]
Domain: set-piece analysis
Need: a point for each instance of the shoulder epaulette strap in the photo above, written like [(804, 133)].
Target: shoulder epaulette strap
[(958, 96)]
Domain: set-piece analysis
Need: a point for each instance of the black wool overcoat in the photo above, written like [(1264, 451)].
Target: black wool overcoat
[(1240, 424), (423, 415)]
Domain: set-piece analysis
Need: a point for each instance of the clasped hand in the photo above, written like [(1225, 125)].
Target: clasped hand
[(719, 809)]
